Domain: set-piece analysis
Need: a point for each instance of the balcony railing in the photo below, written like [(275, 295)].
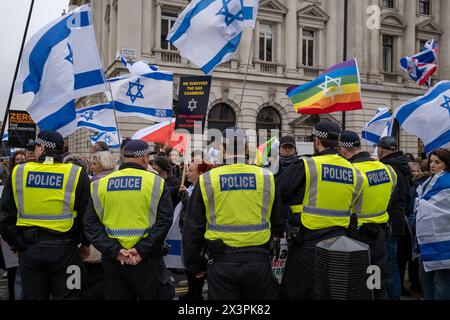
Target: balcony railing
[(225, 65), (311, 72), (392, 77), (268, 67), (170, 56)]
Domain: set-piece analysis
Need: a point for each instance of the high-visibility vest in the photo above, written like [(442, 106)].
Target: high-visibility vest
[(126, 202), (45, 195), (238, 200), (379, 183), (332, 187)]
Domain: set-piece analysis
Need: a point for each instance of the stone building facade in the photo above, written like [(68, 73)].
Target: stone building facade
[(293, 42)]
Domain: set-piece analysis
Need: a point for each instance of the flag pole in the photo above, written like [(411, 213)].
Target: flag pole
[(11, 92), (345, 52), (245, 79)]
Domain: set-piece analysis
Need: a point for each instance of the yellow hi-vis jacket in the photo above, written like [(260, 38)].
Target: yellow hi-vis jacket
[(126, 202), (238, 200), (379, 183), (45, 195), (332, 187)]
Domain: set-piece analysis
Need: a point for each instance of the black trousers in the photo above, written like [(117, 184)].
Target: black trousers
[(195, 287), (126, 282), (375, 236), (51, 268), (242, 276), (297, 282)]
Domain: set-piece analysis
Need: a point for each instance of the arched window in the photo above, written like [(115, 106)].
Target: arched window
[(221, 116), (269, 119)]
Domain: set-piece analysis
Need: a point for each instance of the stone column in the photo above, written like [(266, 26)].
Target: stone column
[(358, 11), (320, 51), (148, 35), (291, 37), (410, 32), (158, 26), (444, 46), (130, 25), (244, 47), (256, 40), (300, 45), (112, 35), (279, 43), (332, 35), (104, 46), (375, 50)]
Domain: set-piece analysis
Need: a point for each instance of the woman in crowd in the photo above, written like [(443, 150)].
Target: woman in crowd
[(195, 170), (102, 164), (433, 228)]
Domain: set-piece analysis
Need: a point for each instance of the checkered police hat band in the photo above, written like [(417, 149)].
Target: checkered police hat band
[(346, 144), (137, 154), (46, 144), (320, 134)]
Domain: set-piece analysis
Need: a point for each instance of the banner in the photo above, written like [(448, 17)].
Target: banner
[(279, 262), (21, 129), (193, 98)]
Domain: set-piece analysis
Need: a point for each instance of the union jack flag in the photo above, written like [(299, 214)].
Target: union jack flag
[(422, 66)]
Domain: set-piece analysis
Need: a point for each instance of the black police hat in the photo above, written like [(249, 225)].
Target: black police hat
[(387, 143), (52, 140), (326, 130), (349, 139), (136, 149)]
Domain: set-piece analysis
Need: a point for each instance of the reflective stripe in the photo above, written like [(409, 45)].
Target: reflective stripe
[(96, 200), (358, 205), (314, 180), (371, 215), (242, 228), (19, 187), (154, 201), (126, 232), (326, 212), (210, 195), (70, 186), (297, 208), (52, 217), (266, 195), (394, 177), (359, 184)]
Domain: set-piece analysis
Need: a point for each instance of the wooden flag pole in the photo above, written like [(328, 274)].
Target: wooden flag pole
[(11, 92)]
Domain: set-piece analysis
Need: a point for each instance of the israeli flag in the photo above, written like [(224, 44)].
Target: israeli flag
[(149, 96), (428, 117), (77, 29), (5, 137), (373, 130), (208, 32), (99, 117), (433, 222), (111, 138), (138, 67)]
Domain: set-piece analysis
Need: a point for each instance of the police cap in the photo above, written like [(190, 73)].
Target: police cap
[(326, 130), (51, 140), (349, 139), (136, 149)]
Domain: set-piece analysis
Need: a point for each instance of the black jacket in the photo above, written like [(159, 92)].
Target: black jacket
[(195, 228), (149, 246), (8, 213), (400, 196)]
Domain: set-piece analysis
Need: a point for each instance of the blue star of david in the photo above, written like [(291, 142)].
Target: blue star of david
[(446, 104), (108, 139), (138, 94), (88, 115), (229, 17), (70, 56)]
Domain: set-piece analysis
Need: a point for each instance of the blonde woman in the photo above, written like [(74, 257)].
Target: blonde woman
[(102, 164)]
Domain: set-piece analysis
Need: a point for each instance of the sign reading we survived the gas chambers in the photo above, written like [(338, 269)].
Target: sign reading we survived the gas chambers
[(192, 104)]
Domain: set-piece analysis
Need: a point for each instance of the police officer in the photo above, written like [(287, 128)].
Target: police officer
[(127, 220), (322, 191), (42, 206), (371, 207), (236, 209)]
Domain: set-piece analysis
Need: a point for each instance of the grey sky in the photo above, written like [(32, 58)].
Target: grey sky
[(13, 18)]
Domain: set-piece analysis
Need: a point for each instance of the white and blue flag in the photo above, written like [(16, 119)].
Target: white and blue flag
[(112, 138), (5, 137), (373, 130), (149, 96), (428, 117), (99, 117), (433, 222), (208, 32), (137, 67), (59, 64)]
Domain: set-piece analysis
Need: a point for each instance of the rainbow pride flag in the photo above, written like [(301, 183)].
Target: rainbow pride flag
[(264, 150), (337, 89)]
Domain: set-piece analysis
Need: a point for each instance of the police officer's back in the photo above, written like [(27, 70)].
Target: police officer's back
[(235, 208), (322, 190), (370, 211), (42, 205), (127, 220)]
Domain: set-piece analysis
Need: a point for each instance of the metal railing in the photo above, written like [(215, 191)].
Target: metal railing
[(170, 56), (268, 67)]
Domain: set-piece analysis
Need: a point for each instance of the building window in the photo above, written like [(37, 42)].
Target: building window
[(308, 48), (388, 54), (266, 42), (167, 22), (388, 4), (268, 119), (221, 116), (424, 7)]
